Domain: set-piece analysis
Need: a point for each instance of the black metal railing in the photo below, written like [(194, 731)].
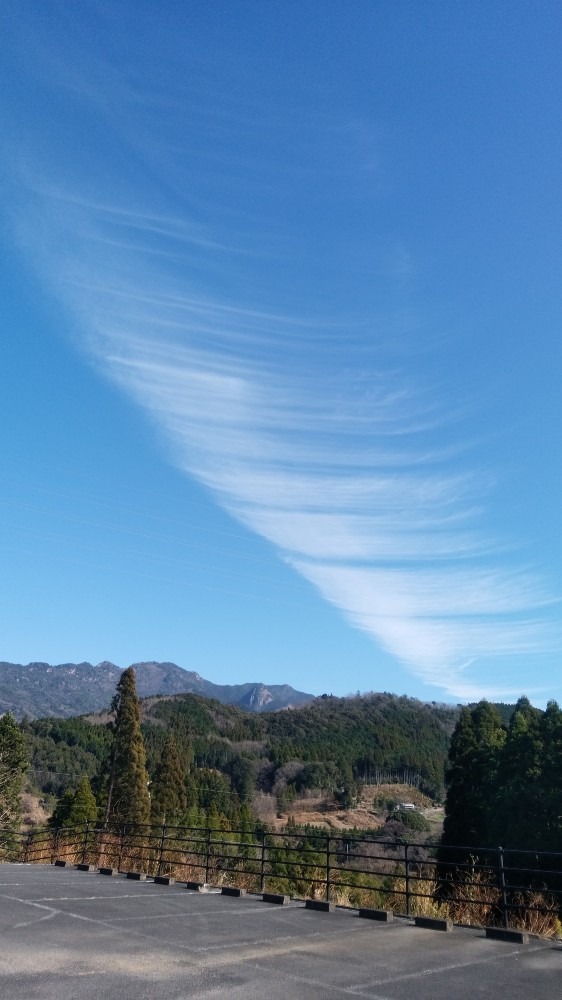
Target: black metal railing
[(492, 885)]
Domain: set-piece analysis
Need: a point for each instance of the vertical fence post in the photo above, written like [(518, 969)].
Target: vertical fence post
[(55, 845), (85, 843), (501, 873), (121, 845), (262, 862), (27, 846), (161, 849), (207, 853), (328, 855), (100, 843), (407, 874)]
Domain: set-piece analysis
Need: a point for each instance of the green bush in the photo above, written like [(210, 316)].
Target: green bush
[(412, 819)]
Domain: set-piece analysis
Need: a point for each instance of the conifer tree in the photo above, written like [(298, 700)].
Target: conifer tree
[(460, 792), (84, 807), (75, 808), (213, 817), (168, 791), (195, 816), (128, 799), (62, 810), (13, 765), (550, 800), (347, 792), (516, 812), (474, 758), (246, 820)]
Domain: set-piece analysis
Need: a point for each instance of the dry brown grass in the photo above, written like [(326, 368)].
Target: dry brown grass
[(479, 903), (324, 814), (34, 812)]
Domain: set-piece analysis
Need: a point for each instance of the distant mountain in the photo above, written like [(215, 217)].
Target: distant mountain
[(168, 678), (39, 690)]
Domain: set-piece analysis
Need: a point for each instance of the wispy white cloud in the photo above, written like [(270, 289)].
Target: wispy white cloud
[(398, 549), (344, 472), (297, 422)]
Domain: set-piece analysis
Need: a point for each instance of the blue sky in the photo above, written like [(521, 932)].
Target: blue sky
[(281, 341)]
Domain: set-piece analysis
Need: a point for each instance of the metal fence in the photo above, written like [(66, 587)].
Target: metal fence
[(491, 886)]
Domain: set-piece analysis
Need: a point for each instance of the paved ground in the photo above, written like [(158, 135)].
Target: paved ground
[(74, 935)]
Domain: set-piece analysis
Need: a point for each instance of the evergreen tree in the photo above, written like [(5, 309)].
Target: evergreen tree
[(213, 789), (76, 808), (214, 818), (168, 791), (347, 793), (472, 776), (84, 807), (61, 812), (128, 800), (13, 765), (246, 820), (550, 791), (516, 812), (460, 791), (191, 792)]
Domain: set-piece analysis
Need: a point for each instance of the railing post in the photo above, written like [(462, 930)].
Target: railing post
[(407, 874), (121, 846), (85, 843), (27, 846), (207, 854), (328, 839), (161, 848), (55, 846), (100, 844), (262, 862), (501, 873)]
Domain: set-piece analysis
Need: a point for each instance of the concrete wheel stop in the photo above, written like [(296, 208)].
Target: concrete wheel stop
[(433, 924), (319, 904), (504, 934), (384, 916)]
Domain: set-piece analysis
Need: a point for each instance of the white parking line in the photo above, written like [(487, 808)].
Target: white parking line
[(328, 987), (489, 959)]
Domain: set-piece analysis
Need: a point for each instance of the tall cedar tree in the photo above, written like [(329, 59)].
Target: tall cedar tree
[(13, 765), (168, 791), (551, 783), (472, 776), (517, 819), (128, 799)]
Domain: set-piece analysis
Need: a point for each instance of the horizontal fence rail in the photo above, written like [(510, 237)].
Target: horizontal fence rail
[(487, 885)]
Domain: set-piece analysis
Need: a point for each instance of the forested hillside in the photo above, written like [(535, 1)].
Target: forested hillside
[(228, 755)]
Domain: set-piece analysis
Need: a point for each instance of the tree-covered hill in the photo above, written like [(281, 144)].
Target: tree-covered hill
[(332, 744)]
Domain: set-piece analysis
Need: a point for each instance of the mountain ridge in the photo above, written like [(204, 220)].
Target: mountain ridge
[(40, 689)]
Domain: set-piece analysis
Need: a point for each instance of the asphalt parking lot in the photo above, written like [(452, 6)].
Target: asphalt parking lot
[(74, 935)]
